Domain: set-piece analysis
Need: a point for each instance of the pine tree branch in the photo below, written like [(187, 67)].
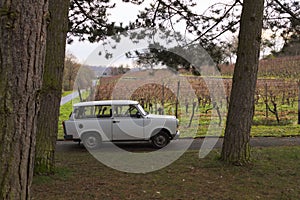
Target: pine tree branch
[(293, 15)]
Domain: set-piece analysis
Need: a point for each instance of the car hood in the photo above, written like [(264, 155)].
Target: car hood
[(152, 116)]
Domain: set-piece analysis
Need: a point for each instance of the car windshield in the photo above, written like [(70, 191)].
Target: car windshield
[(141, 109)]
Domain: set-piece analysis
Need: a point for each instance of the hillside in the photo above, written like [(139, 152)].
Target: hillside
[(282, 67)]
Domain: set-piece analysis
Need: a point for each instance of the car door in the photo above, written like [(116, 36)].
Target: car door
[(104, 119), (94, 119), (127, 123)]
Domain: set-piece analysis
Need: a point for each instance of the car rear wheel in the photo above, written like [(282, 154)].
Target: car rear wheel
[(91, 141), (160, 140)]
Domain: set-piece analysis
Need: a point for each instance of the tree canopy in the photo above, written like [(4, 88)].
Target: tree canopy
[(89, 20)]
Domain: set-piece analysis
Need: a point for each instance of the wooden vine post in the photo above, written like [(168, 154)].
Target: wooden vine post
[(266, 100), (79, 92), (163, 99), (176, 106), (298, 102)]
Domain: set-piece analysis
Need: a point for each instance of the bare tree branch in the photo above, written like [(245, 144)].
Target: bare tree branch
[(287, 10)]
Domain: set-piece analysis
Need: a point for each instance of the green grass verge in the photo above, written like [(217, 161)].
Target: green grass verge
[(65, 111), (273, 174), (66, 93), (202, 121)]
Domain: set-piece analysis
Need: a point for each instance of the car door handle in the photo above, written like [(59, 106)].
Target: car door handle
[(116, 122)]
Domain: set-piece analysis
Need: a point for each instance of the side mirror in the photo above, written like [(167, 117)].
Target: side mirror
[(138, 115)]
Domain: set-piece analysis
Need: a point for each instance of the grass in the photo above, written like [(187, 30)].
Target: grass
[(273, 174), (65, 111), (268, 126), (275, 131), (62, 174), (262, 126), (66, 93)]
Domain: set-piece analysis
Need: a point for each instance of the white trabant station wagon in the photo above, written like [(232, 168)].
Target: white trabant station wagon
[(116, 121)]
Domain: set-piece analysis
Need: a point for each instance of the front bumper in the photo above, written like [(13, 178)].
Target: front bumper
[(176, 136), (68, 137)]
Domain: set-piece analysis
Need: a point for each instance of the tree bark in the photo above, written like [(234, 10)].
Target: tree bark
[(236, 149), (22, 52), (52, 87)]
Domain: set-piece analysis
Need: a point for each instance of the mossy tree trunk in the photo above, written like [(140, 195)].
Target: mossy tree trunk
[(52, 86), (236, 149), (22, 54)]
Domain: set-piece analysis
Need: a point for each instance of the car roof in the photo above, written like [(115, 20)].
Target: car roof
[(107, 102)]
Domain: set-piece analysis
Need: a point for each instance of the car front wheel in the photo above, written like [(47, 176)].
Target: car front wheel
[(160, 140), (91, 141)]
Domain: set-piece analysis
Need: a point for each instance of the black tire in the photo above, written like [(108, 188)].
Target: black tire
[(91, 141), (160, 140)]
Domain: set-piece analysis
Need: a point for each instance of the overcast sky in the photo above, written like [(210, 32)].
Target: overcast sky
[(123, 12)]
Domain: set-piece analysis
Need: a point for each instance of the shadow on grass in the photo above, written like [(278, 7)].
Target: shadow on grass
[(273, 174), (272, 122)]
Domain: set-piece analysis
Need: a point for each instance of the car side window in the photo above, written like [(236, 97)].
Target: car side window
[(97, 111), (103, 111), (126, 111), (133, 111), (84, 112)]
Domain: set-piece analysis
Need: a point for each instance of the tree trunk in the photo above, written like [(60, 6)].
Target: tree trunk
[(236, 149), (22, 54), (52, 87)]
